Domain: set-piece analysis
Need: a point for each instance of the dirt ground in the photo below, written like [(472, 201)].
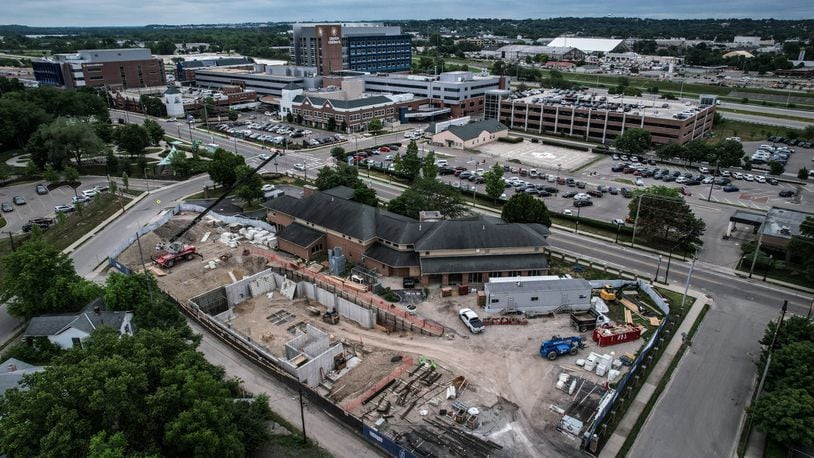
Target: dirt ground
[(512, 386), (188, 279)]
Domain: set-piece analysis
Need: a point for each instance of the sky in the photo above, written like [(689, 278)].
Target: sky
[(142, 12)]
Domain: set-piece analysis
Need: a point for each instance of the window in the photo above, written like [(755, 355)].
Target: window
[(76, 342), (534, 298), (494, 301)]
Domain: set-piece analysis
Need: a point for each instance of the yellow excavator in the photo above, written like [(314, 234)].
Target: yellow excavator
[(607, 293)]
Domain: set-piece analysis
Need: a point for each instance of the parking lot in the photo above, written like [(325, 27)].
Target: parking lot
[(277, 133), (39, 206), (538, 155)]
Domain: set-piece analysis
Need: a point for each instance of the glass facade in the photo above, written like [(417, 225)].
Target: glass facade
[(391, 53), (48, 73)]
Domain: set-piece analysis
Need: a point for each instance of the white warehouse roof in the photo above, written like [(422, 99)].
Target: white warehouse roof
[(587, 45)]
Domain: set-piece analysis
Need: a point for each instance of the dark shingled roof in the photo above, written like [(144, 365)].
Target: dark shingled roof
[(400, 229), (344, 216), (50, 325), (344, 104), (484, 263), (391, 257), (10, 379), (457, 235), (472, 130), (343, 192), (299, 235)]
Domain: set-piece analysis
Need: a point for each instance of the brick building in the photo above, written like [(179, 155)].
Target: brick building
[(459, 251), (112, 68), (355, 113)]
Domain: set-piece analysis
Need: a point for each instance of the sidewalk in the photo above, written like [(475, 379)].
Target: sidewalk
[(636, 408)]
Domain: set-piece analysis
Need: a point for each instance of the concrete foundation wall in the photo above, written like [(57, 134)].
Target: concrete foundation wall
[(366, 318), (248, 287), (314, 370)]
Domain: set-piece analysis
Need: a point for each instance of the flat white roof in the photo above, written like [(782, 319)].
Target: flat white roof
[(587, 44)]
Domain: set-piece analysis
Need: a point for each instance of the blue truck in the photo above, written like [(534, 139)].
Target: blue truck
[(557, 346)]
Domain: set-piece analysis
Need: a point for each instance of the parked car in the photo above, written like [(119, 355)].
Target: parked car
[(618, 222), (80, 199), (567, 211), (19, 200), (613, 190), (595, 193), (42, 189), (583, 203), (772, 181), (267, 188), (760, 178), (787, 193), (581, 184), (471, 320), (731, 188), (90, 192), (299, 167), (6, 207), (639, 182), (64, 209), (626, 192), (569, 194)]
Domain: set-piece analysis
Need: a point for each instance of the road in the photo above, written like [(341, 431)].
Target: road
[(757, 119), (769, 110)]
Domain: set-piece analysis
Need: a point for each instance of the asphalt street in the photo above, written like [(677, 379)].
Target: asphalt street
[(768, 120), (770, 110)]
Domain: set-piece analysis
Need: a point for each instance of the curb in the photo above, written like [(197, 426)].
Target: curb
[(103, 224)]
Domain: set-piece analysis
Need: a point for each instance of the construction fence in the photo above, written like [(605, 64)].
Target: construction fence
[(617, 400)]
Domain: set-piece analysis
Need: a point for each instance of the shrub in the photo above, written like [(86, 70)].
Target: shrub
[(510, 139)]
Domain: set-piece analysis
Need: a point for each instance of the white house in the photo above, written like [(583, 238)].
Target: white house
[(67, 330)]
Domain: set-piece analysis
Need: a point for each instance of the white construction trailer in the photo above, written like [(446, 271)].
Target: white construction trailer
[(537, 295)]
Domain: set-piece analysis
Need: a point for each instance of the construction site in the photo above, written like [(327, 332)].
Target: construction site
[(530, 384)]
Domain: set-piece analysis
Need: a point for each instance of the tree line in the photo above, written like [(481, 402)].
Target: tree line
[(149, 394)]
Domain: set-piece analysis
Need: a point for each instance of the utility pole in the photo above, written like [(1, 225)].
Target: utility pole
[(757, 248), (302, 417), (636, 221)]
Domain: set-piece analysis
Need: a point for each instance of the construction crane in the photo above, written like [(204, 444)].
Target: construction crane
[(176, 251)]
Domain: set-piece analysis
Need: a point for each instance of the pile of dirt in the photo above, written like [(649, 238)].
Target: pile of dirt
[(373, 368)]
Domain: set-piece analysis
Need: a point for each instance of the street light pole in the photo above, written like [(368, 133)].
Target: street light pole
[(146, 180), (757, 248), (636, 221), (618, 227), (771, 263), (658, 268), (687, 285), (576, 226)]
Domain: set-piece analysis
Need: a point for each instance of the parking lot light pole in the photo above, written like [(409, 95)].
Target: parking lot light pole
[(618, 228)]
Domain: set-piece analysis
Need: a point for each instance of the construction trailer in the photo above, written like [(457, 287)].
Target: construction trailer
[(537, 295)]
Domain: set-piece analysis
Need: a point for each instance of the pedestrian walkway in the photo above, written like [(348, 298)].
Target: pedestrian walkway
[(636, 408)]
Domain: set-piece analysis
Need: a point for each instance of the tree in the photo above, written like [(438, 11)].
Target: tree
[(802, 247), (141, 294), (428, 195), (154, 131), (670, 151), (153, 105), (633, 141), (345, 175), (696, 150), (63, 140), (104, 131), (664, 215), (493, 181), (727, 153), (344, 126), (111, 163), (331, 124), (338, 153), (147, 394), (786, 415), (289, 118), (38, 279), (180, 164), (409, 166), (524, 208), (223, 166), (250, 189), (802, 174), (776, 168), (429, 169), (19, 119), (131, 138), (808, 132), (71, 174), (233, 115), (51, 175), (375, 126)]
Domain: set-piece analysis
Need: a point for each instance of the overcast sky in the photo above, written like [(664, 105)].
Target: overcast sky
[(118, 12)]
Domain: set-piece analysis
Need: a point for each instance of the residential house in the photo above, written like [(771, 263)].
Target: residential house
[(68, 330)]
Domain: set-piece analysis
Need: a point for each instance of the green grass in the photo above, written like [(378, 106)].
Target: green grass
[(2, 222), (76, 225), (660, 387), (747, 131), (587, 165), (623, 181), (213, 192), (290, 446)]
